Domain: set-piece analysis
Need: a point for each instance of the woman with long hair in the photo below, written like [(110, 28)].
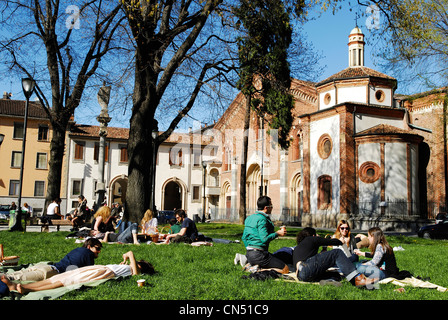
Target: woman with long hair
[(343, 233), (102, 222), (381, 253), (149, 223)]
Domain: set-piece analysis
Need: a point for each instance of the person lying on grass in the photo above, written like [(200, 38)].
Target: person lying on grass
[(78, 257), (86, 274)]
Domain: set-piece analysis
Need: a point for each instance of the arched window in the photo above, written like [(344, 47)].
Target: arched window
[(324, 198), (213, 178)]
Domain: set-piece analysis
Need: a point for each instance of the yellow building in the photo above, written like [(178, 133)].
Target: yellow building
[(37, 153)]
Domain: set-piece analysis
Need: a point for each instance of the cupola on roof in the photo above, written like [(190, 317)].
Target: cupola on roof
[(357, 83), (356, 48)]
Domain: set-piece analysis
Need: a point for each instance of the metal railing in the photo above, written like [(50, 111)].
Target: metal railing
[(365, 209)]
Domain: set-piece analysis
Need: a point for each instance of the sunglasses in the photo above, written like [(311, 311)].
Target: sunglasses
[(344, 228)]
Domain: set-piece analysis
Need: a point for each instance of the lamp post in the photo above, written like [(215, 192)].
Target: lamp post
[(262, 191), (28, 88), (154, 135), (204, 166)]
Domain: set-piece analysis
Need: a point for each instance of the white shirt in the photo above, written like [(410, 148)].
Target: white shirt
[(150, 226), (50, 209), (120, 270), (29, 209)]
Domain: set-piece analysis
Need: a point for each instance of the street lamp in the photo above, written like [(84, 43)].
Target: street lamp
[(28, 88), (154, 135), (204, 166)]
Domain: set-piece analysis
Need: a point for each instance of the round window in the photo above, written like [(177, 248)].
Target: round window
[(380, 95), (369, 172), (324, 146), (327, 98)]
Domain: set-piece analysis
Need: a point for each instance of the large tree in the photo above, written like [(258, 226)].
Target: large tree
[(172, 41), (188, 43), (415, 35), (61, 52), (264, 74)]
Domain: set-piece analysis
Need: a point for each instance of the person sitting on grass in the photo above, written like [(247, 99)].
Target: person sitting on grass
[(130, 234), (343, 233), (380, 252), (78, 216), (188, 232), (258, 233), (103, 220), (175, 227), (86, 274), (149, 223)]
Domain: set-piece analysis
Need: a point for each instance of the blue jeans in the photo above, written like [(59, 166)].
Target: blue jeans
[(126, 235), (124, 225), (370, 271), (315, 267)]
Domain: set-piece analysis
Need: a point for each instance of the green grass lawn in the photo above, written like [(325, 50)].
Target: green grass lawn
[(185, 272)]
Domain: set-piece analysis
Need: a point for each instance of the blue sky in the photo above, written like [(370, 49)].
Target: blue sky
[(328, 33), (329, 36)]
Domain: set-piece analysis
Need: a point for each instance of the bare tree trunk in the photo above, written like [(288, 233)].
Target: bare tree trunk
[(243, 176), (140, 146), (140, 152), (57, 151)]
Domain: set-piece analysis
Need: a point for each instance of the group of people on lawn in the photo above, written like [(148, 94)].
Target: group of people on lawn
[(182, 228), (309, 264), (78, 265)]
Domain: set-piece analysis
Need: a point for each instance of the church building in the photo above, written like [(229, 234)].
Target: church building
[(355, 153)]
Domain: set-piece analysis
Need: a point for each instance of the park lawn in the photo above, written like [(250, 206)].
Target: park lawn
[(185, 272)]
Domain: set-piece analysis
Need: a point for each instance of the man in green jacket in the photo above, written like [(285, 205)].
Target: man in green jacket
[(258, 233)]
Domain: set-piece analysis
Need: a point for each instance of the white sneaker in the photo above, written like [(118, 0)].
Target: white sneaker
[(237, 259), (243, 260)]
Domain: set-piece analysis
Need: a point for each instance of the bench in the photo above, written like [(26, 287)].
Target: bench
[(57, 223)]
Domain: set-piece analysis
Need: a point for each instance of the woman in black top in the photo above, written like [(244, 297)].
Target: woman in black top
[(311, 265)]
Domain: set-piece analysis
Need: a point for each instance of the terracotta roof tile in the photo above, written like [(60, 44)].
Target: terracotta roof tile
[(356, 72), (384, 129), (17, 108), (83, 130)]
